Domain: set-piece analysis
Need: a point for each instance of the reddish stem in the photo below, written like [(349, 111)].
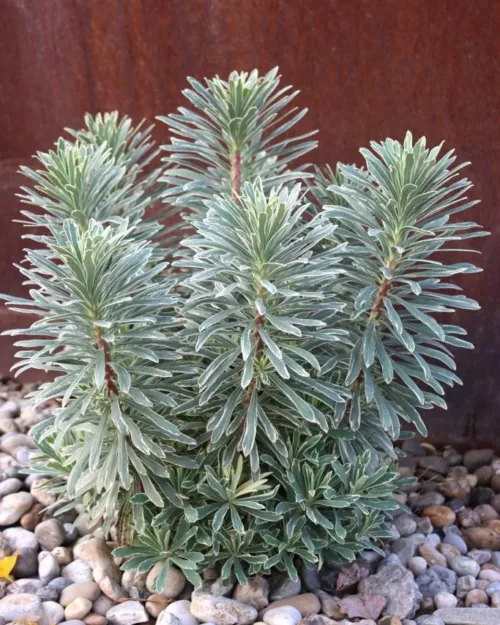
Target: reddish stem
[(111, 387), (236, 174)]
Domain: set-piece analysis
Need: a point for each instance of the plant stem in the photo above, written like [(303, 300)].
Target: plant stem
[(110, 383), (235, 174)]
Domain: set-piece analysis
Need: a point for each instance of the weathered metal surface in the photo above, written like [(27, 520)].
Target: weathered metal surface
[(367, 70)]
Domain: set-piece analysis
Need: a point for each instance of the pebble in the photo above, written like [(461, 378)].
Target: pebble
[(491, 588), (483, 537), (95, 619), (156, 604), (96, 553), (476, 458), (495, 599), (78, 571), (21, 607), (48, 568), (490, 575), (78, 608), (86, 590), (52, 612), (464, 585), (486, 513), (50, 534), (221, 610), (417, 565), (13, 506), (465, 566), (284, 615), (440, 516), (174, 583), (398, 585), (282, 586), (306, 604), (437, 579), (255, 592), (182, 610), (452, 537), (102, 604), (9, 486), (127, 613), (431, 555), (481, 556), (63, 555), (432, 498), (476, 596), (445, 600), (26, 544)]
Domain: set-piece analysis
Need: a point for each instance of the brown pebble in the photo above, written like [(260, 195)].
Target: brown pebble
[(95, 619), (431, 555), (483, 537), (156, 604), (389, 620), (476, 596), (427, 605), (306, 604), (490, 575), (30, 519), (495, 502), (484, 475), (440, 516), (62, 555)]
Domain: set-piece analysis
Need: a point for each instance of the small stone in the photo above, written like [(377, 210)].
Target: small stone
[(78, 608), (452, 537), (483, 537), (468, 518), (109, 587), (9, 486), (476, 596), (440, 516), (431, 555), (222, 588), (436, 579), (174, 583), (29, 585), (48, 593), (96, 553), (102, 604), (465, 566), (329, 605), (424, 525), (398, 586), (406, 548), (484, 475), (489, 575), (32, 518), (12, 507), (255, 592), (95, 619), (86, 590), (48, 569), (492, 588), (417, 565), (481, 556), (59, 583), (134, 584), (495, 599), (50, 534), (432, 498), (481, 495), (52, 613), (182, 610), (465, 585), (9, 443), (435, 464), (306, 604), (321, 619), (448, 551), (284, 615), (63, 555), (21, 607), (78, 571), (156, 604), (167, 618), (486, 513), (221, 610), (127, 613), (445, 600), (39, 491), (475, 458), (282, 586)]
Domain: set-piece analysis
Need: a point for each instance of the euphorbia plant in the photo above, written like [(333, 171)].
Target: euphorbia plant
[(231, 386)]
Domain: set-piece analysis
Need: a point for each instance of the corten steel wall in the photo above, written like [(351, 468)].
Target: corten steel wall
[(367, 69)]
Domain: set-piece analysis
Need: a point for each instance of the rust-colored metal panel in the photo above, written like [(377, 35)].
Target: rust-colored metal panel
[(367, 69)]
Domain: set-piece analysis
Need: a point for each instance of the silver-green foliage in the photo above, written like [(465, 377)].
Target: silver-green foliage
[(239, 409)]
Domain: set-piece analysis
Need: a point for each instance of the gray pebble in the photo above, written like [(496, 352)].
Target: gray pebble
[(9, 486)]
